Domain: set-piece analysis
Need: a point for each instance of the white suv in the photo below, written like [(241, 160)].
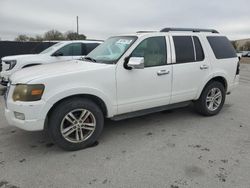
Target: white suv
[(126, 76), (62, 51)]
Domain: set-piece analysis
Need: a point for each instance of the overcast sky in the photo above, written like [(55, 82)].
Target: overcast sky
[(100, 19)]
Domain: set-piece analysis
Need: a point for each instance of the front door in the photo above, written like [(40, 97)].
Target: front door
[(150, 87)]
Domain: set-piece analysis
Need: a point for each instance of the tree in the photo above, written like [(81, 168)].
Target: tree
[(246, 46), (235, 44), (22, 38), (53, 35), (37, 38), (70, 35)]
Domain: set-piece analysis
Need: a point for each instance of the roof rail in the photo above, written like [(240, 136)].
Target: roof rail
[(145, 31), (189, 29)]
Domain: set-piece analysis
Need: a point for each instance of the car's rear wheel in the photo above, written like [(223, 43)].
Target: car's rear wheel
[(75, 123), (212, 99)]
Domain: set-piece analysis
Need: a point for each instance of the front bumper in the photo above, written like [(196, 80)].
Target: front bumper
[(34, 116), (4, 78), (28, 125)]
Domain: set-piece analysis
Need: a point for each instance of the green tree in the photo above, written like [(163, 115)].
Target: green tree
[(246, 46), (53, 35), (235, 44), (70, 35), (22, 38)]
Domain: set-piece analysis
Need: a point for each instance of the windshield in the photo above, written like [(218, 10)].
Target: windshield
[(111, 50), (52, 48)]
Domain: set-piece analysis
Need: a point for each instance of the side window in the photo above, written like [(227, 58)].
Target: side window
[(89, 47), (184, 49), (153, 50), (71, 50), (221, 47), (76, 49), (198, 49)]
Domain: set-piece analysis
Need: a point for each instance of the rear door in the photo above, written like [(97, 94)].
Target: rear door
[(190, 67)]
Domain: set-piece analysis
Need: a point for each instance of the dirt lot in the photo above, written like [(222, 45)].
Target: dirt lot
[(245, 60), (174, 149)]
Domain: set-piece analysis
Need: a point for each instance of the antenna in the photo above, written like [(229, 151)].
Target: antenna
[(77, 26)]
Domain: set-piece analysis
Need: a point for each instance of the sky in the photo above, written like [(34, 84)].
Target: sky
[(100, 19)]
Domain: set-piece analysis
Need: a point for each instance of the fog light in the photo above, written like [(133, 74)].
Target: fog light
[(20, 116)]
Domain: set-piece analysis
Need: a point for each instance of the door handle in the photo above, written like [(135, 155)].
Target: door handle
[(203, 67), (162, 72)]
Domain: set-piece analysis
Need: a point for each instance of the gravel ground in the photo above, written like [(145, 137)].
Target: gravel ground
[(245, 60), (172, 149)]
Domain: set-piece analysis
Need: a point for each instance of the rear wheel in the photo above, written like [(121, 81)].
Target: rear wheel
[(75, 124), (211, 100)]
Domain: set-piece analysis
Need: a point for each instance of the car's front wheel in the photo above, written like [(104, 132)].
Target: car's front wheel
[(211, 100), (75, 123)]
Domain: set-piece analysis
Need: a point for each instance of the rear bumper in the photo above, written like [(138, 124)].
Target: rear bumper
[(234, 84)]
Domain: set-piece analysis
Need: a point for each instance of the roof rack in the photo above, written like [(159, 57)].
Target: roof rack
[(189, 29), (145, 31)]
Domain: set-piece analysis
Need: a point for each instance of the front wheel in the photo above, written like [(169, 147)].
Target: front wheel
[(211, 100), (75, 124)]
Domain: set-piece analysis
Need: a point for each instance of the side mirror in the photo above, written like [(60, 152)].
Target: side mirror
[(136, 62), (56, 54)]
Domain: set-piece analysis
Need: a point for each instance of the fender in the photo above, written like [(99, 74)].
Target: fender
[(220, 73), (53, 97)]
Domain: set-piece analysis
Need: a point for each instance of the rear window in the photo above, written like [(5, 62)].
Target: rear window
[(221, 47)]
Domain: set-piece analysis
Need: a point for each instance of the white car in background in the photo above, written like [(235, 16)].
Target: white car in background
[(59, 52)]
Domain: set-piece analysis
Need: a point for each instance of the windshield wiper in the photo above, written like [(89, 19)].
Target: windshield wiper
[(89, 59)]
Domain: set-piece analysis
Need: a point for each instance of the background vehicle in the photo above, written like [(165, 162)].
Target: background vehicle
[(60, 52), (126, 76), (245, 53)]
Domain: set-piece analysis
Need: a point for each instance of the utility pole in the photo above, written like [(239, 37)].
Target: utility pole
[(77, 26)]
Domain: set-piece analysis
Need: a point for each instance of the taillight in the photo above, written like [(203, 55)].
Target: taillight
[(238, 69)]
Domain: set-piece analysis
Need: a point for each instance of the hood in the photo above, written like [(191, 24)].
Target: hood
[(16, 57), (53, 70)]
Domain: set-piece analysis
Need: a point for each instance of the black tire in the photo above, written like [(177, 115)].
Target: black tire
[(201, 104), (61, 110)]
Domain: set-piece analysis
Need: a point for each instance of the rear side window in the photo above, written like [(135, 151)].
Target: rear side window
[(221, 47), (74, 49), (199, 53), (88, 47), (184, 49)]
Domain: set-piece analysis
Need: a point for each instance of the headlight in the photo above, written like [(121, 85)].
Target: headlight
[(23, 92), (11, 64)]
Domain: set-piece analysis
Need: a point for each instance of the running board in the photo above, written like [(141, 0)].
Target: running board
[(150, 111)]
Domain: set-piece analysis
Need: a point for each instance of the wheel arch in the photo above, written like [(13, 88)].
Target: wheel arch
[(91, 97), (220, 79)]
